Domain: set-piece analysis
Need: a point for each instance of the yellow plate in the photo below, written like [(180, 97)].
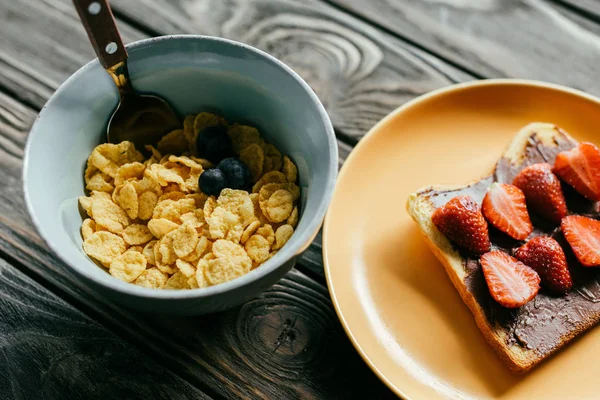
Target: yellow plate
[(392, 295)]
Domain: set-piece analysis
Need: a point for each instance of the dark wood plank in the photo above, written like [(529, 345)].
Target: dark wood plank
[(496, 38), (51, 350), (358, 72)]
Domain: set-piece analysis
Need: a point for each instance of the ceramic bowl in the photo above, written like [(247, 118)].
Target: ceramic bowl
[(193, 73)]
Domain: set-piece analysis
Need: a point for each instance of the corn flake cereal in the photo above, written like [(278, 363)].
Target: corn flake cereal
[(109, 215), (127, 198), (279, 206), (128, 266), (293, 218), (185, 239), (249, 231), (104, 247), (185, 268), (152, 278), (173, 142), (254, 158), (161, 226), (134, 170), (289, 170), (177, 281), (257, 248), (136, 234), (146, 203), (88, 227), (150, 224), (282, 235), (269, 177), (243, 136)]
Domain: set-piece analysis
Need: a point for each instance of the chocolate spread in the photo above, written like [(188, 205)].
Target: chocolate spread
[(543, 323)]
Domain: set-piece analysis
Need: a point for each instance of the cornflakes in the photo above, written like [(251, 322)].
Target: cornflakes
[(88, 227), (289, 170), (293, 218), (146, 203), (134, 170), (136, 234), (249, 231), (257, 248), (109, 215), (185, 268), (104, 247), (254, 157), (185, 239), (282, 235), (128, 266), (279, 206), (126, 197), (177, 281), (152, 278), (243, 136), (173, 142), (150, 224), (161, 226)]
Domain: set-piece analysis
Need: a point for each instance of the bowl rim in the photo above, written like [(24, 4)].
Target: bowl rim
[(299, 241)]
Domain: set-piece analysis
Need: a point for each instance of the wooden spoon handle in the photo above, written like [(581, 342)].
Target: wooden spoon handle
[(99, 23)]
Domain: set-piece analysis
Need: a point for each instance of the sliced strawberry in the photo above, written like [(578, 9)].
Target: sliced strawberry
[(511, 283), (547, 258), (542, 191), (504, 207), (461, 221), (580, 168), (583, 234)]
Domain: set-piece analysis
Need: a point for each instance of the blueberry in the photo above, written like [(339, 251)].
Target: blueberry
[(212, 181), (214, 144), (236, 173)]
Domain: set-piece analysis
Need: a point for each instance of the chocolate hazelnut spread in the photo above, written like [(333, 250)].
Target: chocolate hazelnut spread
[(546, 321)]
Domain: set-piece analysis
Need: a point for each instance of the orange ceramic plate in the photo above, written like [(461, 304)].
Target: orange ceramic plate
[(392, 295)]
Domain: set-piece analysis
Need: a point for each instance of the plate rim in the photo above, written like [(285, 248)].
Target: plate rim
[(366, 139)]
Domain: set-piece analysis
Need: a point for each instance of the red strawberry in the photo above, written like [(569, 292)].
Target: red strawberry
[(511, 282), (504, 207), (547, 258), (462, 222), (580, 168), (542, 191), (583, 234)]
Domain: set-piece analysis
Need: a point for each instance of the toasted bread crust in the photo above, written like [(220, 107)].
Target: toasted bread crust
[(517, 358)]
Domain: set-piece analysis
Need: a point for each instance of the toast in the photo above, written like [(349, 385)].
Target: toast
[(525, 336)]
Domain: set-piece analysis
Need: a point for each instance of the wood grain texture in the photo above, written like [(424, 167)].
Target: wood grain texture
[(50, 350), (534, 39), (358, 72), (280, 345), (233, 354)]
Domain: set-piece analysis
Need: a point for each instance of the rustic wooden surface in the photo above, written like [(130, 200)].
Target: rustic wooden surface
[(363, 58)]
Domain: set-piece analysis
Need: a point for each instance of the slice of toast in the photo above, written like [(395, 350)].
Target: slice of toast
[(525, 336)]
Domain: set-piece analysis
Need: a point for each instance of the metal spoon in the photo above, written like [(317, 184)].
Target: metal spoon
[(141, 119)]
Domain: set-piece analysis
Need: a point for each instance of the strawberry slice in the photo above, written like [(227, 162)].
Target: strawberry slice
[(542, 191), (580, 168), (461, 221), (511, 283), (548, 259), (583, 234), (504, 207)]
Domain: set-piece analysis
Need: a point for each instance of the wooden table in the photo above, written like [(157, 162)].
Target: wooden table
[(58, 340)]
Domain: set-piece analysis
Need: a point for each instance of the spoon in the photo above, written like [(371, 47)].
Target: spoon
[(140, 118)]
